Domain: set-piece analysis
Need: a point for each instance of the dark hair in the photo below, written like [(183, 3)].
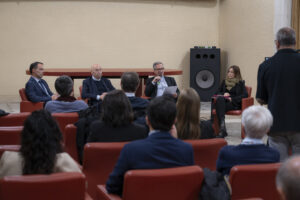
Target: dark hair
[(188, 118), (64, 86), (116, 109), (236, 71), (161, 113), (40, 142), (130, 81), (156, 63), (34, 66), (286, 36)]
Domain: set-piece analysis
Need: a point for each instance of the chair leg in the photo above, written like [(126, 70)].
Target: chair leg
[(216, 125)]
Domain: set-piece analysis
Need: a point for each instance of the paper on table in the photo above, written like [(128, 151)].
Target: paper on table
[(170, 90)]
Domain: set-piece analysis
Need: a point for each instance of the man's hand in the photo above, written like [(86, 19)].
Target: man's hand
[(156, 79), (54, 97), (103, 95)]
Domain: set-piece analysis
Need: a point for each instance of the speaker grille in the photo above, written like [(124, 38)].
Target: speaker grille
[(205, 79)]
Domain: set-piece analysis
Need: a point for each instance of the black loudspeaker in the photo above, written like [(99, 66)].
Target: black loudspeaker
[(205, 71)]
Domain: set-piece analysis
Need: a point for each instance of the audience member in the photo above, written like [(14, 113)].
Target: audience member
[(37, 89), (158, 150), (288, 179), (156, 85), (66, 102), (41, 149), (189, 125), (116, 124), (256, 121), (229, 96), (95, 87), (278, 86), (130, 82)]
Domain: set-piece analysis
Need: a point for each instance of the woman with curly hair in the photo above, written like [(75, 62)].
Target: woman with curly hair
[(41, 149)]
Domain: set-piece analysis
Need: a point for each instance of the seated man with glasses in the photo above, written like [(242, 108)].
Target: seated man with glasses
[(156, 85)]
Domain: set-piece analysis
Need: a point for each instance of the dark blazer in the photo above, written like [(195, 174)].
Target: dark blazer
[(159, 150), (151, 90), (139, 106), (35, 93), (278, 85), (100, 132), (236, 93), (90, 90), (230, 156)]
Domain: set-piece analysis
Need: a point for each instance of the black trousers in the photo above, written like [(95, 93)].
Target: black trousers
[(222, 105)]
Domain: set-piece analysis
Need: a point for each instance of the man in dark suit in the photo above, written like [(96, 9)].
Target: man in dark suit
[(156, 85), (256, 121), (278, 86), (159, 150), (37, 89), (95, 87), (129, 84)]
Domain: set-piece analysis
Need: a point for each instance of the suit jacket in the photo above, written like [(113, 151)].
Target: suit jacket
[(90, 90), (11, 164), (236, 93), (159, 150), (242, 154), (139, 106), (100, 132), (278, 85), (151, 90), (35, 93)]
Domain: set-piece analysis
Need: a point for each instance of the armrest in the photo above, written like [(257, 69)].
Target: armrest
[(246, 102), (102, 194), (28, 106)]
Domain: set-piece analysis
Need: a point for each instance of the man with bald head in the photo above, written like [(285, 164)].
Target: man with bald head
[(288, 179), (95, 87)]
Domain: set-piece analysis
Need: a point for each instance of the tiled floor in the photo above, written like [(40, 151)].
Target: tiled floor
[(233, 123)]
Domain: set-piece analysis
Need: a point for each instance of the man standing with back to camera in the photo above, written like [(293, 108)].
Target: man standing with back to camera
[(278, 83)]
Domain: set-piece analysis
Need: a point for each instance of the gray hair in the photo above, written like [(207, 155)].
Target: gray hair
[(64, 85), (257, 121), (288, 178), (286, 36), (157, 63)]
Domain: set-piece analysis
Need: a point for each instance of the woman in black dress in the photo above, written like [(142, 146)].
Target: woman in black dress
[(229, 96), (189, 125)]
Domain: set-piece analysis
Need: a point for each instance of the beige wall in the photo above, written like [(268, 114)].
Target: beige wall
[(112, 33), (246, 35)]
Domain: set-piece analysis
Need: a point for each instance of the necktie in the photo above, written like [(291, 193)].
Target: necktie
[(43, 87)]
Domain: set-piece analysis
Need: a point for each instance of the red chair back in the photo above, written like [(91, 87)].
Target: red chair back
[(160, 184), (99, 160), (249, 90), (254, 181), (206, 151), (23, 94), (8, 148), (10, 135), (14, 119), (58, 186), (64, 119), (70, 141)]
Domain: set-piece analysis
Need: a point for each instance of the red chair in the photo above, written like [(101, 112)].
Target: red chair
[(70, 141), (58, 186), (14, 119), (64, 119), (99, 160), (173, 183), (10, 135), (254, 181), (206, 151), (8, 148), (246, 102), (26, 105)]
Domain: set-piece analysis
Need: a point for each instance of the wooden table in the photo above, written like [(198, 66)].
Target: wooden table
[(76, 73)]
